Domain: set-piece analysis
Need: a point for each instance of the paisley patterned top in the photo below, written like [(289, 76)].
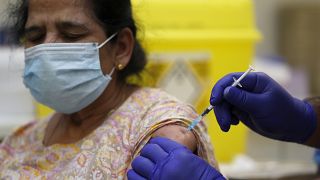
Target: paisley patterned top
[(107, 152)]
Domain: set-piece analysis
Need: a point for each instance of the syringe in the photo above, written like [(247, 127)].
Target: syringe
[(208, 109)]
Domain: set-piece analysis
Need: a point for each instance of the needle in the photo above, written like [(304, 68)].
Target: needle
[(208, 109)]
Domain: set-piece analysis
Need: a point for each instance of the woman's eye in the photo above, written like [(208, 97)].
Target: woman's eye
[(34, 37), (71, 37)]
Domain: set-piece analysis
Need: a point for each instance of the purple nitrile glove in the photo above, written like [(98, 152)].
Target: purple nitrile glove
[(164, 159), (264, 106)]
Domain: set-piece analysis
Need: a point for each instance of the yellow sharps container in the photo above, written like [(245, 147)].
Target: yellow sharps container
[(190, 45), (193, 43)]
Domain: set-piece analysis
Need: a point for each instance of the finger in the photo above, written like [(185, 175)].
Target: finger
[(153, 152), (217, 91), (166, 144), (244, 118), (223, 115), (134, 176), (143, 166), (243, 100), (253, 82), (234, 120), (248, 83)]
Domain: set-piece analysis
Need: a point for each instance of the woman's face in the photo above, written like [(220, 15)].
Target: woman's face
[(65, 21)]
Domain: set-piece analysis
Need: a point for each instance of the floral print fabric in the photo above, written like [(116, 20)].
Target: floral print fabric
[(107, 152)]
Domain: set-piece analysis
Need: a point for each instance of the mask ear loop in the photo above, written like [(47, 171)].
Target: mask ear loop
[(106, 41), (112, 71)]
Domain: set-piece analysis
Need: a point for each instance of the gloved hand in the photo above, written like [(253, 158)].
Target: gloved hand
[(264, 106), (164, 159)]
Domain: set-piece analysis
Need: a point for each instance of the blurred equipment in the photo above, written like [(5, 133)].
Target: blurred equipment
[(299, 40)]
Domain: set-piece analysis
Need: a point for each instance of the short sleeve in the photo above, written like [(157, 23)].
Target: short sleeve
[(171, 111)]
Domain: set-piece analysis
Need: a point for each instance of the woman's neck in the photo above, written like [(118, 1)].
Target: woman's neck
[(108, 102), (65, 129)]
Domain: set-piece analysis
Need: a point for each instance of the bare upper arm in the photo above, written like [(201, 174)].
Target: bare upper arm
[(178, 134)]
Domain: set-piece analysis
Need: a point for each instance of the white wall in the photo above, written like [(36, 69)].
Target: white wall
[(16, 105)]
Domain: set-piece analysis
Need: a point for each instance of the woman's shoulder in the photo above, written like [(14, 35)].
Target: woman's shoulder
[(151, 96), (26, 133), (165, 99), (156, 105), (24, 129)]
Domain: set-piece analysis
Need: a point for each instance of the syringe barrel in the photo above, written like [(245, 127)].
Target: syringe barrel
[(205, 112)]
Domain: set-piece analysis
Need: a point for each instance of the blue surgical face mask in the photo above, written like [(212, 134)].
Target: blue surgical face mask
[(66, 77)]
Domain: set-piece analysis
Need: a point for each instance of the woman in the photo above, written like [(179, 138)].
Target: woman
[(78, 56)]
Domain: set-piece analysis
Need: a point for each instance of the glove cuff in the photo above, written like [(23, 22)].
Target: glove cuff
[(311, 122), (212, 174)]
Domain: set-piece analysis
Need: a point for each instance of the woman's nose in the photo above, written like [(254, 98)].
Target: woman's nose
[(52, 37)]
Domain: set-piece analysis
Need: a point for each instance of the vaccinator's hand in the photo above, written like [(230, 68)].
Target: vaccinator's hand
[(263, 106), (164, 159)]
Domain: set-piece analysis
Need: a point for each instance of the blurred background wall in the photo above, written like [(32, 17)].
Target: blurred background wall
[(291, 30), (289, 52), (267, 19)]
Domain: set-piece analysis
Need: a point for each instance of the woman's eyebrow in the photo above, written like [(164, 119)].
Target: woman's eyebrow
[(30, 29), (67, 25)]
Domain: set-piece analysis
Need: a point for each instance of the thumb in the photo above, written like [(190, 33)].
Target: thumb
[(241, 99)]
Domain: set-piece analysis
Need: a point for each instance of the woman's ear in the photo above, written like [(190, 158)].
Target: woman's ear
[(124, 48)]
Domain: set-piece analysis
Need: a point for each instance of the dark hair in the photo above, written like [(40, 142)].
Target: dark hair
[(113, 15)]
